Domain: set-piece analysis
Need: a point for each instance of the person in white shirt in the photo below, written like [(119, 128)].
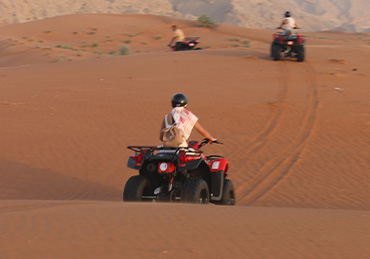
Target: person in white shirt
[(288, 23), (184, 119)]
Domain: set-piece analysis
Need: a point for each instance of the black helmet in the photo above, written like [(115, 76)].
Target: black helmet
[(287, 14), (179, 100)]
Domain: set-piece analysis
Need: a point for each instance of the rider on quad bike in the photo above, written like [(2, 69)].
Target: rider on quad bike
[(182, 43), (179, 173), (288, 22), (288, 42), (178, 37), (184, 119)]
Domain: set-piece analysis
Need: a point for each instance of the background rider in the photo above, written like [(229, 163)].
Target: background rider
[(178, 36)]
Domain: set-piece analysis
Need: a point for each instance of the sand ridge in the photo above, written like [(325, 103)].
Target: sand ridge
[(349, 15)]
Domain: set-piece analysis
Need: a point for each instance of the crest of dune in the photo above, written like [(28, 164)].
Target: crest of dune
[(312, 15)]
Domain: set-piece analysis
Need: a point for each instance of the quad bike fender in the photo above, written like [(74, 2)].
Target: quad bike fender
[(277, 42), (301, 41), (131, 163), (218, 168), (218, 165)]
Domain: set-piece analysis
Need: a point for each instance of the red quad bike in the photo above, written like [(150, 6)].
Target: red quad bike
[(188, 43), (292, 45), (181, 174)]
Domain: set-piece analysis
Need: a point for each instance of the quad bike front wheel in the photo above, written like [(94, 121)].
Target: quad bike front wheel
[(137, 188), (195, 190), (228, 194)]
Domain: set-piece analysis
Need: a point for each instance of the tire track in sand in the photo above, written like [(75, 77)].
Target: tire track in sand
[(257, 142), (273, 171), (246, 152)]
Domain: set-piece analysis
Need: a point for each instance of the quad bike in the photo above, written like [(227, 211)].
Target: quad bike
[(292, 45), (188, 43), (181, 174)]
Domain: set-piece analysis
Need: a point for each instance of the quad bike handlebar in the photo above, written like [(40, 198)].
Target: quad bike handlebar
[(206, 141)]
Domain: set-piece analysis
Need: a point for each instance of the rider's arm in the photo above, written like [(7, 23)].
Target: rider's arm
[(161, 132), (285, 21), (203, 132), (172, 40)]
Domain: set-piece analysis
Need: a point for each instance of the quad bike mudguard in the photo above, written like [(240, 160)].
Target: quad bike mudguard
[(218, 170)]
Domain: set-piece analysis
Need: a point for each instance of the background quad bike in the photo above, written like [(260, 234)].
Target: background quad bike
[(291, 45), (188, 43)]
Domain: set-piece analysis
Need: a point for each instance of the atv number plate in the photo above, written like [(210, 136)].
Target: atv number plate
[(290, 42)]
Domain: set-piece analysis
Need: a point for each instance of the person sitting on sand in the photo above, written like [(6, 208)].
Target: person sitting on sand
[(178, 36), (184, 119)]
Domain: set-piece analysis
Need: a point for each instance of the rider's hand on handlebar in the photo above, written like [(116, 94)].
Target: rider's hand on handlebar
[(211, 141), (208, 141)]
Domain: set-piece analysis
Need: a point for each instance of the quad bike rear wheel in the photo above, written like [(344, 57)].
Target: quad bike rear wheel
[(228, 194), (275, 51), (300, 53), (272, 45), (136, 187), (195, 190)]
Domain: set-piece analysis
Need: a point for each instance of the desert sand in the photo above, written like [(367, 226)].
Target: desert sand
[(297, 137)]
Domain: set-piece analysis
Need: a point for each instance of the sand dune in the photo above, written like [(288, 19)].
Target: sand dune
[(349, 15), (112, 230), (296, 136)]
